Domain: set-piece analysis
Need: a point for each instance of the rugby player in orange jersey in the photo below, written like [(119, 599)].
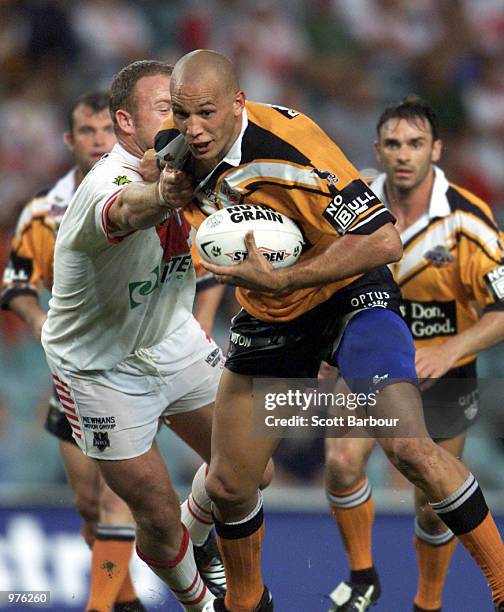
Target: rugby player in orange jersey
[(292, 318), (452, 258)]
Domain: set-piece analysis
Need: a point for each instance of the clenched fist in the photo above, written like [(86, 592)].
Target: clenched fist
[(175, 188)]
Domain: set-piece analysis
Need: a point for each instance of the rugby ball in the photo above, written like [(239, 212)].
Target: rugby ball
[(221, 237)]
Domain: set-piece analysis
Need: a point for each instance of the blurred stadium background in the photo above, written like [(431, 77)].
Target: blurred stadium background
[(339, 61)]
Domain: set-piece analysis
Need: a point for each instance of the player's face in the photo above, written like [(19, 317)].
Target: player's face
[(152, 106), (407, 151), (208, 118), (91, 137)]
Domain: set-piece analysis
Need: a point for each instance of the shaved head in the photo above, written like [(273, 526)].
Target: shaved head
[(203, 65), (207, 106)]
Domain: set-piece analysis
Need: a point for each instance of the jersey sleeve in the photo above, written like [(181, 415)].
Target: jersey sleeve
[(30, 259), (481, 260), (89, 222), (344, 202)]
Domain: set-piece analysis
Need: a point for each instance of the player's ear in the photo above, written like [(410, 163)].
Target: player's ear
[(377, 149), (238, 102), (68, 139), (125, 121), (437, 149)]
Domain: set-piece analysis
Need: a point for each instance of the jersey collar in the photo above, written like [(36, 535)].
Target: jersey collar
[(438, 205), (131, 159)]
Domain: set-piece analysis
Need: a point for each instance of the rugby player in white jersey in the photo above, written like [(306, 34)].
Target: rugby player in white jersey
[(120, 338)]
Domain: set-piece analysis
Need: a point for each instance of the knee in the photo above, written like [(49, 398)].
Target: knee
[(229, 489), (345, 467), (113, 509), (413, 457), (268, 475), (88, 506)]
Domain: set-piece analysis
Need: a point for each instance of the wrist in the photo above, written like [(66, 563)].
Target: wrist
[(162, 201)]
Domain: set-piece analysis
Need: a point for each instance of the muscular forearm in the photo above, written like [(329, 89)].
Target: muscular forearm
[(137, 207), (346, 257), (143, 205), (28, 310)]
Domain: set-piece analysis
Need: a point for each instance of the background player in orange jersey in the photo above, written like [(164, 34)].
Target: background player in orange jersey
[(322, 307), (452, 258)]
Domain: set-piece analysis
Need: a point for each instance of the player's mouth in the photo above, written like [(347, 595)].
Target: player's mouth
[(403, 172), (200, 148)]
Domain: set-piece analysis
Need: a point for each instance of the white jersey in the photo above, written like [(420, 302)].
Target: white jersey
[(113, 295)]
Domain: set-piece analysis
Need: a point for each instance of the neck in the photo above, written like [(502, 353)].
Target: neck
[(408, 206), (129, 144)]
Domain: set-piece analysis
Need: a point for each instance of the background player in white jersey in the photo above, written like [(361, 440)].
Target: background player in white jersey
[(452, 259), (120, 337), (107, 523)]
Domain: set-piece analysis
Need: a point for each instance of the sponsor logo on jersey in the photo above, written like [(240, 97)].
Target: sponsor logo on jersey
[(122, 180), (246, 212), (430, 319), (348, 203), (440, 256), (176, 268), (99, 423), (371, 299), (289, 113), (325, 175), (495, 282), (230, 196), (101, 440), (18, 270)]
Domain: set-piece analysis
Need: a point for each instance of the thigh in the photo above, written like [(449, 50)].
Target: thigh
[(143, 483), (82, 472), (376, 350), (239, 455), (194, 428)]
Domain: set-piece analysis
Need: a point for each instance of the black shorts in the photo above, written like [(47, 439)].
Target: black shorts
[(294, 349), (451, 405), (57, 423)]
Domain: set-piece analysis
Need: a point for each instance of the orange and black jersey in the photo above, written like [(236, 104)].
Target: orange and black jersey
[(30, 265), (452, 259), (282, 159)]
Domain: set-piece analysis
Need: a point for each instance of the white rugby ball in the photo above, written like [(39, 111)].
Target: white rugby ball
[(221, 237)]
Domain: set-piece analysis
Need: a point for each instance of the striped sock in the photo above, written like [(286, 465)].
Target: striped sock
[(434, 553), (466, 513), (353, 511), (111, 555), (182, 576), (240, 547), (196, 511)]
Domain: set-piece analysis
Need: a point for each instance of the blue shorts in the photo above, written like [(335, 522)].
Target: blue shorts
[(376, 350)]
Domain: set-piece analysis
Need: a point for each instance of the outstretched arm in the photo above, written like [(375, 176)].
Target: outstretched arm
[(143, 205)]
